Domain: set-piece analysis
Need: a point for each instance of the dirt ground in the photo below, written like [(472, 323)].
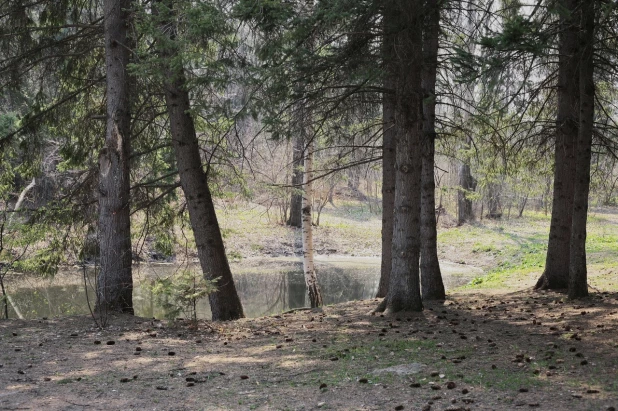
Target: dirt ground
[(506, 351)]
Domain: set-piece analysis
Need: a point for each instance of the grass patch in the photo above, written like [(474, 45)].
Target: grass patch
[(360, 361), (356, 362), (484, 248), (514, 249), (516, 260), (503, 379)]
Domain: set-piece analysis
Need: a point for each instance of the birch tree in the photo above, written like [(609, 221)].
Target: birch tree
[(311, 278)]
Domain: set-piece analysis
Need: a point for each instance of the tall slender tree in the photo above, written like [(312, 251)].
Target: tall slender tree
[(431, 277), (556, 273), (403, 62), (225, 303), (114, 281), (578, 285), (296, 198), (388, 187), (311, 278), (433, 287)]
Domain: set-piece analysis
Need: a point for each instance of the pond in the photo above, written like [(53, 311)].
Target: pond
[(266, 286)]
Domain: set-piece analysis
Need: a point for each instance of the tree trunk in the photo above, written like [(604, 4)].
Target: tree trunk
[(388, 189), (296, 199), (578, 279), (522, 206), (431, 277), (224, 303), (556, 273), (311, 278), (464, 204), (353, 174), (403, 62), (493, 201), (114, 281)]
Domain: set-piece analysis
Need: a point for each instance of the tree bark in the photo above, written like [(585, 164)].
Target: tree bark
[(578, 278), (225, 304), (388, 189), (311, 278), (296, 199), (464, 204), (431, 277), (493, 201), (404, 62), (114, 281), (556, 273)]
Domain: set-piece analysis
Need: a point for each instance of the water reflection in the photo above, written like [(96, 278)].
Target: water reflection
[(263, 291), (266, 289)]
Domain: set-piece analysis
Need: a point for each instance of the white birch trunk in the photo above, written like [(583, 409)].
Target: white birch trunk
[(311, 278), (20, 200)]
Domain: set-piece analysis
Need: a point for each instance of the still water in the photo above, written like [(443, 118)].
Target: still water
[(265, 287)]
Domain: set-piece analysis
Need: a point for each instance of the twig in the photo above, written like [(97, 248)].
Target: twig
[(88, 300)]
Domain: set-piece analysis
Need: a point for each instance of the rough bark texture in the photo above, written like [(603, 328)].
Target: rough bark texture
[(578, 278), (311, 278), (224, 303), (296, 199), (556, 273), (431, 277), (114, 281), (388, 190), (404, 22)]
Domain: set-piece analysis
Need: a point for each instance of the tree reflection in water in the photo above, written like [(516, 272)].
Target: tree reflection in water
[(262, 291)]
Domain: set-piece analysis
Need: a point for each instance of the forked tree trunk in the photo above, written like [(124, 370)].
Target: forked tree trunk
[(522, 206), (225, 304), (578, 278), (388, 189), (298, 148), (431, 277), (114, 281), (311, 278), (403, 21), (556, 273)]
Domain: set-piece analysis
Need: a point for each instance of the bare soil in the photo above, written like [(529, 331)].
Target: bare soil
[(504, 351)]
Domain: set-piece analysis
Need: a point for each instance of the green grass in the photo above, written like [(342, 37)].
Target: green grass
[(356, 362), (519, 246), (503, 379), (515, 253), (484, 248), (506, 249), (601, 247)]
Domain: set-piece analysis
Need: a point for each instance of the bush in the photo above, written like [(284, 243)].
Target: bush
[(179, 294)]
